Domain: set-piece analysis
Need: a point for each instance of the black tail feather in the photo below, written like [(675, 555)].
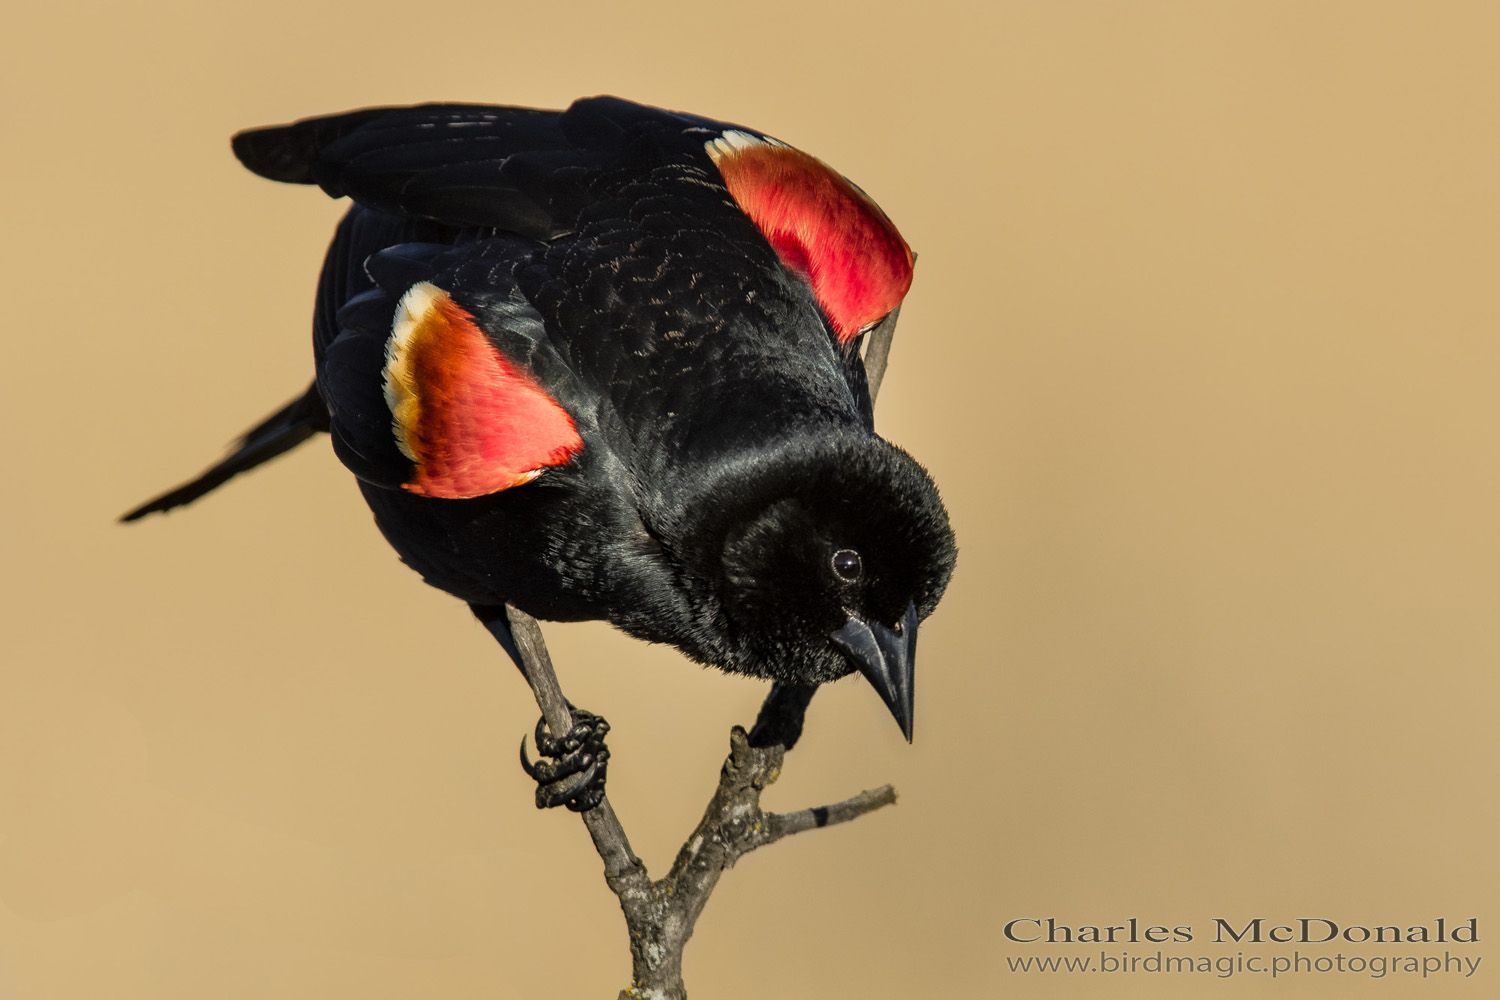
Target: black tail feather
[(280, 432)]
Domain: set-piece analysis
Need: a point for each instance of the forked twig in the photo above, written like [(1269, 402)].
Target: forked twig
[(660, 914)]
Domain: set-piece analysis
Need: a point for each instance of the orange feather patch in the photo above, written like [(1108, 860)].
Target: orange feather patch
[(821, 226), (471, 422)]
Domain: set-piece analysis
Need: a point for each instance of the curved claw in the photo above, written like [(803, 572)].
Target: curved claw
[(526, 764), (548, 772), (549, 746)]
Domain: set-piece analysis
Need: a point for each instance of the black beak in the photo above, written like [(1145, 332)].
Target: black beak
[(886, 657)]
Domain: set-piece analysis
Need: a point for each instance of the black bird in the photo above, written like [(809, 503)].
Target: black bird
[(603, 363)]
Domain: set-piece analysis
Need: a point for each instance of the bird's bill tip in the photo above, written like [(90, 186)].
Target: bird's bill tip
[(887, 658)]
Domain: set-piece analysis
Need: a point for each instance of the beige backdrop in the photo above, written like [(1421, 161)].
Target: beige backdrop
[(1202, 350)]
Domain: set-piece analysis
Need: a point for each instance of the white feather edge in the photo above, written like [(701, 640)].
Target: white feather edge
[(735, 140), (400, 394)]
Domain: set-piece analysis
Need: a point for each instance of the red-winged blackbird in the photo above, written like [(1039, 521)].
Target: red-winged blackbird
[(604, 364)]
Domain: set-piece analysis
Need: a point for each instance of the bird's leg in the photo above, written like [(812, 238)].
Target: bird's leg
[(574, 775), (781, 715)]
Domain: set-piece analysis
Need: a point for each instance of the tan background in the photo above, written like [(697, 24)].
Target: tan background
[(1202, 350)]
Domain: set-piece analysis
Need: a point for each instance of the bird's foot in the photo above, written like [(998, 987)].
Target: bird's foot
[(574, 774)]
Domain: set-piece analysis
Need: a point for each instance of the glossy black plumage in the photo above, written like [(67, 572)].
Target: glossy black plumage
[(728, 447)]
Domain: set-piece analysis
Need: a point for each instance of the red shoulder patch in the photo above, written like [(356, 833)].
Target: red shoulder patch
[(821, 225), (471, 422)]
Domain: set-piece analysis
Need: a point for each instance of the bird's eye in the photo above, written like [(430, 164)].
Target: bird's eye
[(847, 565)]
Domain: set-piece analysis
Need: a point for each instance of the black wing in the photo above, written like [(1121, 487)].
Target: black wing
[(523, 170)]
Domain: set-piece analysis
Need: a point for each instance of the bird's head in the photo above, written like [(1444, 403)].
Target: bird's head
[(833, 550)]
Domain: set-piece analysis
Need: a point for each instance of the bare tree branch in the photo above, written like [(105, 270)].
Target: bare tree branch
[(660, 915), (780, 825), (732, 826)]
